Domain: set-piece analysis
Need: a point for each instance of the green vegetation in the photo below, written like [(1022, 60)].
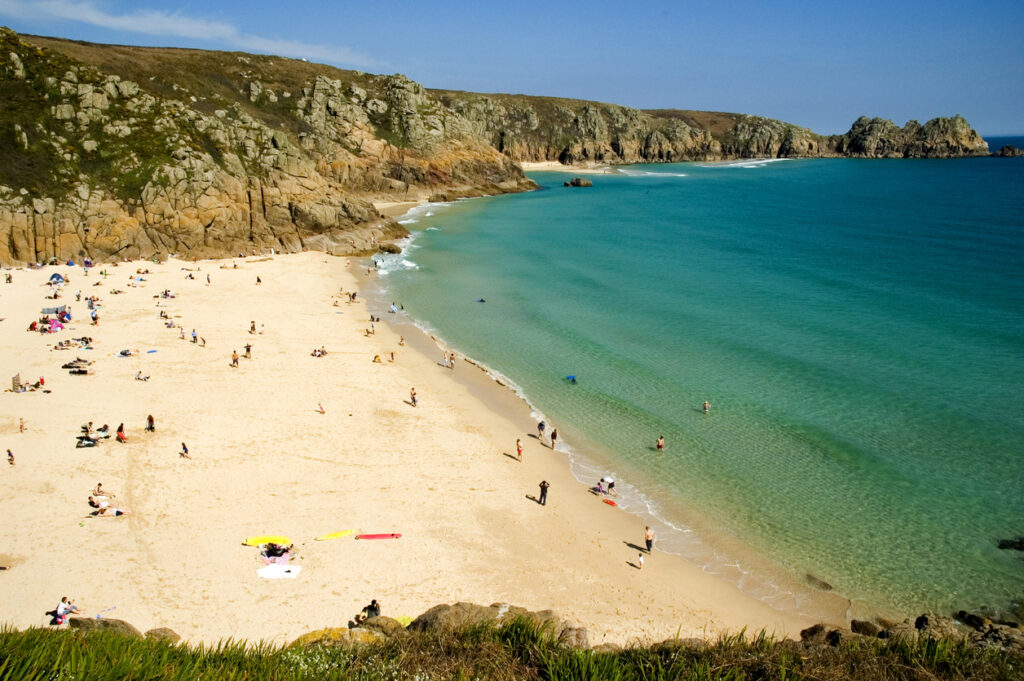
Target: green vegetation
[(519, 649)]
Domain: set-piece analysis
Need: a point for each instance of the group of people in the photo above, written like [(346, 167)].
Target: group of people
[(541, 427), (100, 500)]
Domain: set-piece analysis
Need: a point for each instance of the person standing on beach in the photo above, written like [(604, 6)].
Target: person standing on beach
[(543, 501), (412, 397), (661, 443), (519, 449), (649, 537), (554, 437), (639, 561), (195, 336), (150, 424), (10, 457), (184, 452), (234, 358), (248, 350), (540, 431)]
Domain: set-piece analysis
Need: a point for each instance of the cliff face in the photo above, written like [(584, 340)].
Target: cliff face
[(572, 131), (93, 164), (110, 151)]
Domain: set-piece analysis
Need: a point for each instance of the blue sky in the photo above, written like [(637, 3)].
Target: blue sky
[(816, 64)]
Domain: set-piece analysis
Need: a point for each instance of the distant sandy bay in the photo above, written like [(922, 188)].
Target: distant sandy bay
[(266, 461)]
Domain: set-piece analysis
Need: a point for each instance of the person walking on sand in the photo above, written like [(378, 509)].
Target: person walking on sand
[(554, 437), (10, 457), (519, 449), (412, 397), (184, 452), (258, 280), (21, 425), (320, 407), (248, 350), (540, 431), (639, 561), (706, 406), (195, 336), (252, 327), (648, 537), (234, 358), (543, 501), (661, 443), (150, 424)]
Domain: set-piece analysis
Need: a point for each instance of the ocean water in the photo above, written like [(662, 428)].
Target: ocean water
[(857, 327)]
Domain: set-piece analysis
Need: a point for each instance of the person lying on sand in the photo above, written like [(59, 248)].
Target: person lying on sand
[(140, 377), (110, 512)]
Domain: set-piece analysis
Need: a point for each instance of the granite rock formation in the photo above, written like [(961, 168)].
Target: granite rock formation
[(96, 164)]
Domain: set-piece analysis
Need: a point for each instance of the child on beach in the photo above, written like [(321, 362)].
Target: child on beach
[(640, 561)]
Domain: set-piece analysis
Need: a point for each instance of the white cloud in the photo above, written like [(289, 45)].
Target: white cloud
[(160, 23)]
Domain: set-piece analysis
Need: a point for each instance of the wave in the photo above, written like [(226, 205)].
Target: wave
[(644, 173), (745, 163)]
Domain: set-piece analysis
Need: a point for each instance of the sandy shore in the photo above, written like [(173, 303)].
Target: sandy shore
[(394, 209), (265, 461), (581, 169)]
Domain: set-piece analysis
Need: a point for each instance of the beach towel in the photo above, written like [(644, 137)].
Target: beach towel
[(279, 571), (276, 560)]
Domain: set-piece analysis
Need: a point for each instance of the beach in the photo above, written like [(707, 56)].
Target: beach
[(265, 460)]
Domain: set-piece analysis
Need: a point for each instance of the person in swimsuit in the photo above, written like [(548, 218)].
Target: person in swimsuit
[(661, 442)]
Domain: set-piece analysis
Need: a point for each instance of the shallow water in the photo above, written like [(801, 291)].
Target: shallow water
[(857, 326)]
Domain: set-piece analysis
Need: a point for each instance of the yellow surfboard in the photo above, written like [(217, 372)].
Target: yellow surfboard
[(267, 539), (334, 535)]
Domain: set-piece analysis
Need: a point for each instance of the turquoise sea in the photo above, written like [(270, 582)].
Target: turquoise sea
[(856, 325)]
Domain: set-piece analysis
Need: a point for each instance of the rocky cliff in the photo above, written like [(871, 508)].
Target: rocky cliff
[(112, 152), (109, 151), (573, 131)]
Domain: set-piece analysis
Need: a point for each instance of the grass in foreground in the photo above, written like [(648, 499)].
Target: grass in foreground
[(517, 650)]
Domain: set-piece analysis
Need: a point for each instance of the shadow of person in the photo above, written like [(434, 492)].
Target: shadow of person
[(633, 565), (533, 498), (511, 456), (635, 547), (409, 402)]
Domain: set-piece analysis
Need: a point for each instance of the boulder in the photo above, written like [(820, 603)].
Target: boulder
[(90, 624), (574, 637), (937, 626), (389, 248), (864, 628), (813, 633), (976, 622), (335, 636), (386, 626), (837, 636), (461, 615), (1005, 637), (163, 634), (578, 182)]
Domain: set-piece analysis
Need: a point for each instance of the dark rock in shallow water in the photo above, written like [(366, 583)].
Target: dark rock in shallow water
[(389, 248), (1009, 151), (818, 583), (976, 622), (88, 624), (1012, 544), (578, 182), (864, 628)]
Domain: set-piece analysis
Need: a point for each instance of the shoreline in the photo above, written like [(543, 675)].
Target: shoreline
[(775, 584), (264, 461), (555, 166)]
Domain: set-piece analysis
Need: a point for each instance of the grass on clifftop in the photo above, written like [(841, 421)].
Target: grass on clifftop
[(517, 650)]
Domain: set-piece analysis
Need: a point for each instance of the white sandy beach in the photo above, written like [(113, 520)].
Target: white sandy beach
[(265, 461)]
